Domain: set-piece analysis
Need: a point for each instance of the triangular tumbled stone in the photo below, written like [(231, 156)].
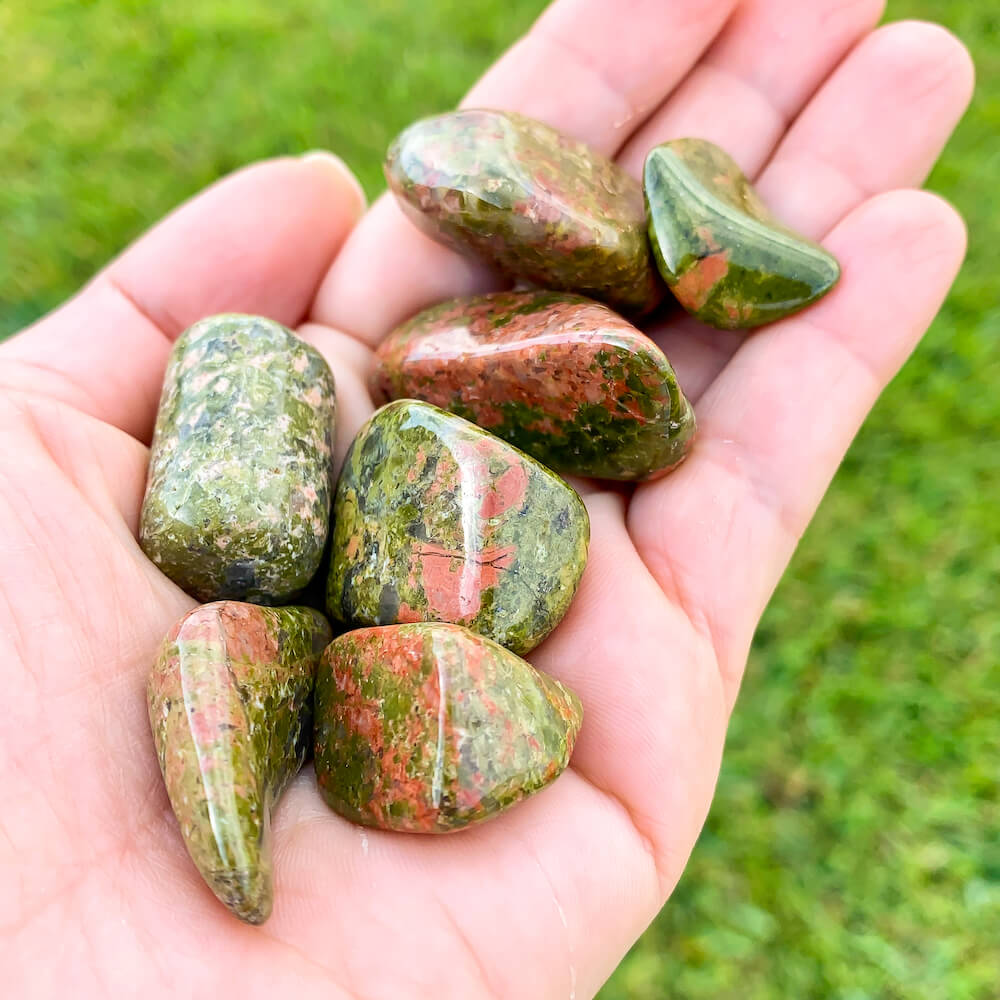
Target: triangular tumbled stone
[(727, 260), (427, 728), (436, 520)]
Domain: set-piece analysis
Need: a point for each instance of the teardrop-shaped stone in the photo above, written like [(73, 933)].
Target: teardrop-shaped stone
[(230, 705), (725, 257), (427, 728), (562, 377), (437, 520), (237, 503), (535, 203)]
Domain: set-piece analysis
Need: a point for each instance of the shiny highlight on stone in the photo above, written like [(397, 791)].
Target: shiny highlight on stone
[(230, 706), (437, 520), (238, 496), (428, 728), (725, 257), (534, 203), (560, 376)]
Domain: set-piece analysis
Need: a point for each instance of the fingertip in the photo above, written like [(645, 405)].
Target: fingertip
[(944, 219), (933, 58), (341, 175), (926, 226)]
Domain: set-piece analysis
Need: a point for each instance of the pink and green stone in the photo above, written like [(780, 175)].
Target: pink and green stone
[(437, 520), (230, 706), (240, 482), (560, 376), (534, 203), (428, 728), (725, 257)]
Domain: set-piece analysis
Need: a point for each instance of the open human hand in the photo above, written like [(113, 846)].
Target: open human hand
[(97, 893)]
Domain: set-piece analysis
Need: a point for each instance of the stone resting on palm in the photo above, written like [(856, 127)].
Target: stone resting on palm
[(836, 121)]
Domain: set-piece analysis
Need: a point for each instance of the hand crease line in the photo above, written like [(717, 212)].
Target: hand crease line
[(119, 289), (859, 358), (481, 971), (327, 972), (648, 844), (668, 580), (560, 911), (27, 365)]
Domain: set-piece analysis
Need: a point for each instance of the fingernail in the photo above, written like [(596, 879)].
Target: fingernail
[(336, 163)]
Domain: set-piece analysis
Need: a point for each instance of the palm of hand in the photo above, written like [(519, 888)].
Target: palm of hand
[(544, 900)]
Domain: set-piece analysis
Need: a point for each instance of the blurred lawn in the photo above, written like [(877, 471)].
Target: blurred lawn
[(854, 848)]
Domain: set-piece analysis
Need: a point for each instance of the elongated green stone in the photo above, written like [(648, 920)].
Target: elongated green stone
[(238, 497), (427, 728), (562, 377), (230, 705), (537, 204), (437, 520), (727, 260)]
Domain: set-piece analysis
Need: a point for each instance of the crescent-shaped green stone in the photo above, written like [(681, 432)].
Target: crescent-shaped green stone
[(725, 257)]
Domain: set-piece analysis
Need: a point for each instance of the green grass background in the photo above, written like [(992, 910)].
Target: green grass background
[(853, 851)]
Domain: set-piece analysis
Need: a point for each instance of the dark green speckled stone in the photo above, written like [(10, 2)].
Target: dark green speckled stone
[(238, 497), (727, 260), (537, 204), (429, 728), (562, 377), (230, 705), (437, 520)]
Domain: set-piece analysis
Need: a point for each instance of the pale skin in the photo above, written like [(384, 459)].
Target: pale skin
[(837, 122)]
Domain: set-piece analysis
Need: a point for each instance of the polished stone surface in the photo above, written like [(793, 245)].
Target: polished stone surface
[(230, 706), (537, 204), (429, 728), (238, 497), (725, 257), (562, 377), (437, 520)]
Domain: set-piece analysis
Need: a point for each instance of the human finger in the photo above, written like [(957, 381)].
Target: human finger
[(588, 68), (776, 423), (878, 123), (257, 242)]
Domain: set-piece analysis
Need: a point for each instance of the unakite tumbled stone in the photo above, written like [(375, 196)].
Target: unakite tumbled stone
[(436, 520), (535, 203), (428, 728), (230, 705), (562, 377), (238, 497), (725, 257)]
